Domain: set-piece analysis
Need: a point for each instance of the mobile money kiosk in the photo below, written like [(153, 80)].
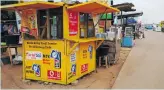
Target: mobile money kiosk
[(59, 39)]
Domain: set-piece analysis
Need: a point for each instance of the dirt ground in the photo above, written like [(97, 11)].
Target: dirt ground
[(103, 79)]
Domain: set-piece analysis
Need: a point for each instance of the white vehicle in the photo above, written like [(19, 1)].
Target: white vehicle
[(157, 28)]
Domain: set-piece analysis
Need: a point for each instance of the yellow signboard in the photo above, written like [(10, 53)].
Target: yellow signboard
[(46, 60), (82, 61)]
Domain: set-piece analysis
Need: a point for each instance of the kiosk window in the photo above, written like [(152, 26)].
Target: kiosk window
[(55, 23), (87, 28)]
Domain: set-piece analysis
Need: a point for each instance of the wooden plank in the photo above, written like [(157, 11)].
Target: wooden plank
[(106, 61), (9, 52), (99, 61), (44, 30)]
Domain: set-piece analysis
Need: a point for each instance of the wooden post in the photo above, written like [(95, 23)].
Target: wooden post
[(10, 55), (106, 61), (99, 61)]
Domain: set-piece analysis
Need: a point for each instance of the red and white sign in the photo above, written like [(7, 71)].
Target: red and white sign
[(54, 75), (34, 55), (73, 23), (84, 68), (101, 23)]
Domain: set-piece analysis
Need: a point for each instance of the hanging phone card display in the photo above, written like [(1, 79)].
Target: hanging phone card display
[(54, 27)]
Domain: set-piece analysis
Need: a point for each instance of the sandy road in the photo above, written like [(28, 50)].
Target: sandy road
[(144, 67)]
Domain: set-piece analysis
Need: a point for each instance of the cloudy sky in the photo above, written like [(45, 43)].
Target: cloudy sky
[(153, 9)]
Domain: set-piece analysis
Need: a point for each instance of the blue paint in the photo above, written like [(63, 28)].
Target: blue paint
[(127, 41)]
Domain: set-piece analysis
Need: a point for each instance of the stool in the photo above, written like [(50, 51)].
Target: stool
[(106, 61)]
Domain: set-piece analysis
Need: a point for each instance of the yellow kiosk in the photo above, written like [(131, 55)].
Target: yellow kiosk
[(59, 39)]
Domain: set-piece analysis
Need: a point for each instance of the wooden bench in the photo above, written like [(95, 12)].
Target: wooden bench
[(9, 51)]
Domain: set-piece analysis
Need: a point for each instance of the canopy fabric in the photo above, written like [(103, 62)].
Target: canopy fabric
[(92, 7), (31, 5)]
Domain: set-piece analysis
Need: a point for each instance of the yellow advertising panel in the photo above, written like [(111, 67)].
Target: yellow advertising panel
[(72, 65), (87, 58), (45, 60), (81, 61)]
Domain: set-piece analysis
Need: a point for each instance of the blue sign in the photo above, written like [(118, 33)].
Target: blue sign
[(36, 69), (57, 58), (131, 21), (73, 69)]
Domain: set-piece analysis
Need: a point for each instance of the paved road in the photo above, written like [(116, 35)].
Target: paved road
[(144, 67)]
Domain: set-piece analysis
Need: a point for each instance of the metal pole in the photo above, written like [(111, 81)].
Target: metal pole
[(121, 19), (112, 13), (106, 22)]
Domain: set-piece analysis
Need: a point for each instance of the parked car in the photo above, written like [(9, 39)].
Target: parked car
[(149, 27)]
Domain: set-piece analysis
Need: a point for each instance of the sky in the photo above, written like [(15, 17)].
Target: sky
[(153, 10)]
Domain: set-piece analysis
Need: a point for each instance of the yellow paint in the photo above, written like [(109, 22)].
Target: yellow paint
[(32, 5), (66, 64), (95, 8), (46, 49)]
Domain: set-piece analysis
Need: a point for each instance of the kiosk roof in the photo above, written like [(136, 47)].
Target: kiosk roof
[(93, 7), (32, 5)]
